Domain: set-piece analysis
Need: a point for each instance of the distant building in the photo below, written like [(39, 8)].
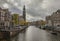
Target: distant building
[(54, 19), (5, 18), (21, 20), (48, 20), (40, 23)]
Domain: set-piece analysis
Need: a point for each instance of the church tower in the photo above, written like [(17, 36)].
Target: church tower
[(24, 13)]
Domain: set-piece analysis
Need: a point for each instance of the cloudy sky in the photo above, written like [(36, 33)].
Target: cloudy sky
[(35, 9)]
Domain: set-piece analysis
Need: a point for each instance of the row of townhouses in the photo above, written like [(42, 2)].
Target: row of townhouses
[(54, 19), (8, 20)]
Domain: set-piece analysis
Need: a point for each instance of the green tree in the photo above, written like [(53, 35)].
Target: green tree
[(15, 19)]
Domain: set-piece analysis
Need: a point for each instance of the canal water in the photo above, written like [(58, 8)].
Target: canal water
[(35, 34)]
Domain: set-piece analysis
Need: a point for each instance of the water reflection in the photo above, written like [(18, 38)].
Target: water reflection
[(35, 34), (20, 37)]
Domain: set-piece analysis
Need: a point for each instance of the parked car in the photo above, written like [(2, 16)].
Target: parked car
[(57, 29), (43, 27), (48, 27), (53, 31)]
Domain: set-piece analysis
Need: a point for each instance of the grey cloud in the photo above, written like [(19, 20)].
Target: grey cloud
[(40, 13), (35, 9), (15, 10), (35, 3)]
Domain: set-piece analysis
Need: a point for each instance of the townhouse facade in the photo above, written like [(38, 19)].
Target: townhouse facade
[(54, 19), (5, 18)]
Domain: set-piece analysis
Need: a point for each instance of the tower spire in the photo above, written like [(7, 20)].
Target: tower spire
[(24, 13)]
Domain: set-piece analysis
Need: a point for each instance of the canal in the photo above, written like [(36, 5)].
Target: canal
[(35, 34)]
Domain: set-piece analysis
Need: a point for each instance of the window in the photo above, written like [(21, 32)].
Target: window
[(2, 18), (2, 13), (1, 24)]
